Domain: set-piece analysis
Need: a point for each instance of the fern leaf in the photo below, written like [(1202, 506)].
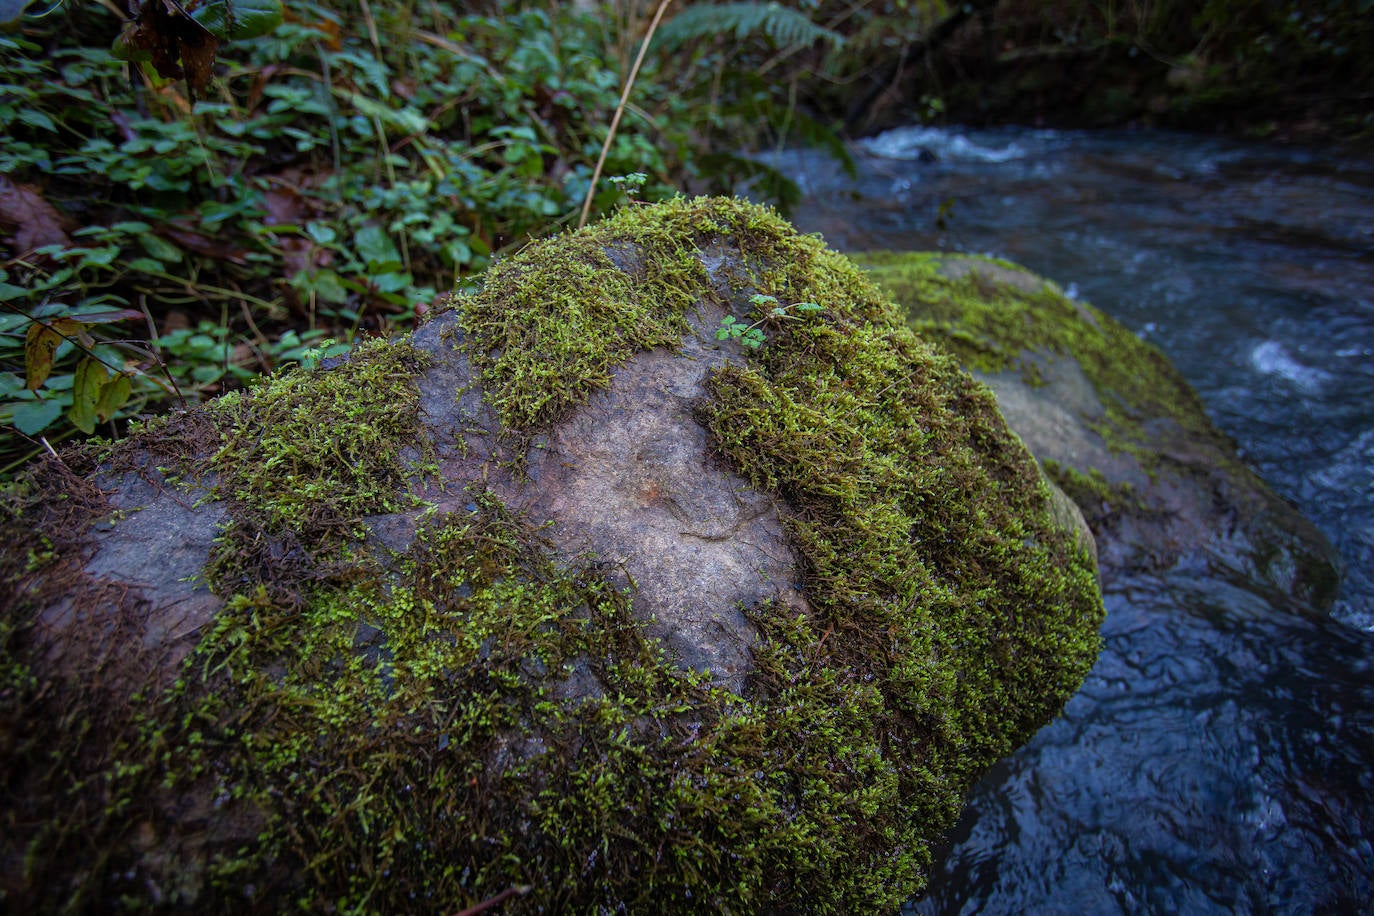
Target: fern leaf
[(786, 28)]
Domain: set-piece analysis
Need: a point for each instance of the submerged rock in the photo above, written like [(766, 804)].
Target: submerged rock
[(577, 598), (1113, 423)]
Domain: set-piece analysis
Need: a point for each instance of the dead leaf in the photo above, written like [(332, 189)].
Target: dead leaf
[(45, 335), (328, 29), (36, 222), (285, 205), (200, 244), (89, 318), (40, 343), (177, 45), (90, 376), (260, 81), (176, 320), (114, 394), (296, 255)]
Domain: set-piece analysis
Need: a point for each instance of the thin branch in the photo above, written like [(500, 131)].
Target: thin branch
[(619, 110), (518, 890)]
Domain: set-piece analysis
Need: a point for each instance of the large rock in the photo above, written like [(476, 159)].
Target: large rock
[(562, 600), (1113, 423)]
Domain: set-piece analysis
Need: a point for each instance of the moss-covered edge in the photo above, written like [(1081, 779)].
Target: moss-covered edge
[(401, 731), (995, 325), (997, 316)]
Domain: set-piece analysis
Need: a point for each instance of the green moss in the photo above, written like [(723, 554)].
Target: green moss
[(996, 317), (1091, 489), (550, 324), (423, 731), (920, 521), (303, 458)]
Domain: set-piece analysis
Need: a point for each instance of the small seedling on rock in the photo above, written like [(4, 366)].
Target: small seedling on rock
[(751, 335)]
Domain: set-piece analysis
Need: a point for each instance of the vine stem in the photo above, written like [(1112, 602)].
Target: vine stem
[(620, 110)]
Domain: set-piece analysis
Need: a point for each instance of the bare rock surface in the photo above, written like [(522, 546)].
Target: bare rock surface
[(629, 478)]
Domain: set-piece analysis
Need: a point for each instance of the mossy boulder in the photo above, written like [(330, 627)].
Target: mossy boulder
[(563, 600), (1113, 423)]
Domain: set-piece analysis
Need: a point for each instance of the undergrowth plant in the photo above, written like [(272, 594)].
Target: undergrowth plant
[(334, 176)]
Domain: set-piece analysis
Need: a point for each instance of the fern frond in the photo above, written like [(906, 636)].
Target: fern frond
[(877, 37), (786, 28)]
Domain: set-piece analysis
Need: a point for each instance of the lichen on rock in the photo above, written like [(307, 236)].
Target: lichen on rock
[(568, 596)]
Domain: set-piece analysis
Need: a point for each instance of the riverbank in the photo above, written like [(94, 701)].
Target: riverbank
[(1284, 72)]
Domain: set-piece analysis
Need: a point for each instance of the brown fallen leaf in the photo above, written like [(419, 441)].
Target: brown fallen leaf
[(35, 222), (200, 244), (328, 29), (177, 45), (285, 205)]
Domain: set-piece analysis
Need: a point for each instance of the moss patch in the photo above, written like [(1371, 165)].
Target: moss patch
[(550, 324), (996, 317), (363, 731), (301, 460), (1091, 489)]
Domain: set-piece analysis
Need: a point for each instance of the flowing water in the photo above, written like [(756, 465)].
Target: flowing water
[(1220, 757)]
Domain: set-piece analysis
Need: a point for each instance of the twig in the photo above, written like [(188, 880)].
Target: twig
[(619, 110), (156, 349), (518, 890)]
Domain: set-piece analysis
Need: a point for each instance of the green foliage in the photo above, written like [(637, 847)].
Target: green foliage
[(341, 171), (785, 28), (752, 336)]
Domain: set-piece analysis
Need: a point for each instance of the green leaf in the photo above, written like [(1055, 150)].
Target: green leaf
[(123, 49), (326, 284), (114, 394), (376, 247), (785, 28), (160, 248), (391, 281), (239, 19), (320, 233), (89, 378), (32, 417), (406, 120), (37, 119)]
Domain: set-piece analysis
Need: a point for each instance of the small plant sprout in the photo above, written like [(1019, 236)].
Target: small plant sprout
[(311, 357), (630, 185), (751, 335)]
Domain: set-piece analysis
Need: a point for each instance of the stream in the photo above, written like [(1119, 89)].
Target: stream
[(1220, 756)]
